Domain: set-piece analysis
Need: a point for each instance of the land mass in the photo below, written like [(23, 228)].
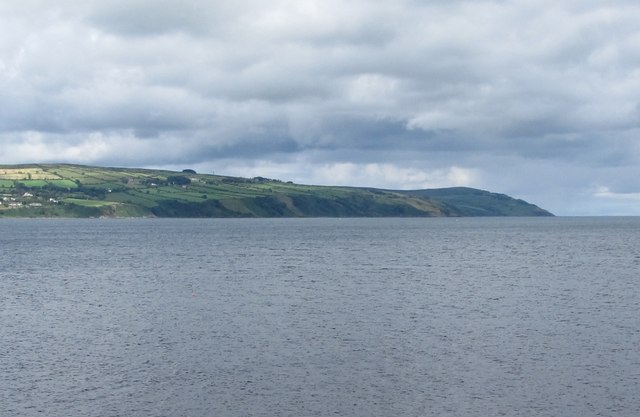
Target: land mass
[(65, 190)]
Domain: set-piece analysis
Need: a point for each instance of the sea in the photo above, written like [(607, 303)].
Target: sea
[(320, 317)]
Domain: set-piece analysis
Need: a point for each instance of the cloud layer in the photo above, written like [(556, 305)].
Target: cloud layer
[(533, 98)]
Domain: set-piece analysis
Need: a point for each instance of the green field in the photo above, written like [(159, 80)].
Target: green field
[(33, 183), (88, 203)]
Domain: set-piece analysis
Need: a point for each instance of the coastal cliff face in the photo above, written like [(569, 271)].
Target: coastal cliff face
[(62, 190)]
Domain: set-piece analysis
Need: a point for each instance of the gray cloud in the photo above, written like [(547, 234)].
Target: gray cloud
[(538, 99)]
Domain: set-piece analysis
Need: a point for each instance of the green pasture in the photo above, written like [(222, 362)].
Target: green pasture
[(33, 183), (43, 183), (88, 203), (63, 183), (135, 198)]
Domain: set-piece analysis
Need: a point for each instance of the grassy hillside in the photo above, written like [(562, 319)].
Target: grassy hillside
[(473, 202), (62, 190)]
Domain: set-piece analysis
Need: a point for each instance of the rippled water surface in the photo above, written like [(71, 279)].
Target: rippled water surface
[(320, 317)]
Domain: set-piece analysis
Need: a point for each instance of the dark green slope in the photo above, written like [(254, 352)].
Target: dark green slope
[(64, 190), (465, 201)]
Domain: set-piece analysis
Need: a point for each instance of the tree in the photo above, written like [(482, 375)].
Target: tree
[(178, 180)]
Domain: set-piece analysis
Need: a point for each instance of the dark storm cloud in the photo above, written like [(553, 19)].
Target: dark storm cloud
[(532, 98)]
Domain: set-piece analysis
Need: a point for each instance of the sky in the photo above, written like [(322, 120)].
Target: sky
[(538, 99)]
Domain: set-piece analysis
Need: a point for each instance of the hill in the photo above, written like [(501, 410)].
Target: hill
[(64, 190)]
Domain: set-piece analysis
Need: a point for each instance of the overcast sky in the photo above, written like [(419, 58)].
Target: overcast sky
[(538, 99)]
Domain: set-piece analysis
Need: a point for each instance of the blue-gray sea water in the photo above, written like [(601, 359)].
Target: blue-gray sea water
[(320, 317)]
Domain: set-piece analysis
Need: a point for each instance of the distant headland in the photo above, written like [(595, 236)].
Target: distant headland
[(66, 190)]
